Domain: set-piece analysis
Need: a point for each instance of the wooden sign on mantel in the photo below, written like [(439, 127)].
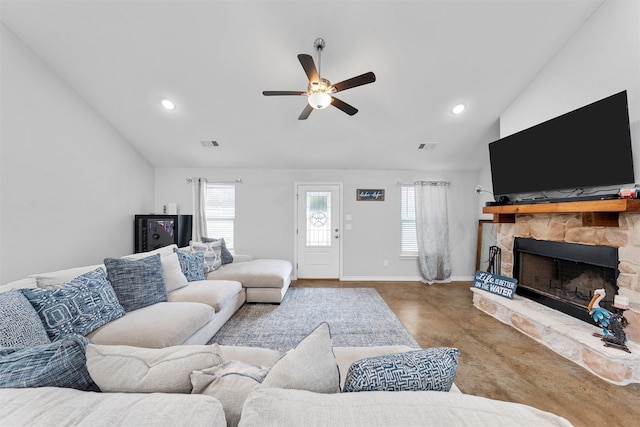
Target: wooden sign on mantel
[(499, 285)]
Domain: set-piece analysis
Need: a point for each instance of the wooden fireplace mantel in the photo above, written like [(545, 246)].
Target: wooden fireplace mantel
[(603, 213)]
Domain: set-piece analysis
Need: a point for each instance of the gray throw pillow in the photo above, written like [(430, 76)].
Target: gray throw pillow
[(20, 325), (226, 256), (230, 383), (58, 364), (138, 283), (78, 307), (429, 369), (310, 366)]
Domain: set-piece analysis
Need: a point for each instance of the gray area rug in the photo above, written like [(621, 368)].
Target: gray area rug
[(356, 317)]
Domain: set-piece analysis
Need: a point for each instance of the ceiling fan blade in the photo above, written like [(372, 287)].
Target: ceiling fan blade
[(360, 80), (305, 113), (349, 109), (309, 67), (282, 92)]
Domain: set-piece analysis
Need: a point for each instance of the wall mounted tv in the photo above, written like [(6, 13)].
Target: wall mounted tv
[(578, 153)]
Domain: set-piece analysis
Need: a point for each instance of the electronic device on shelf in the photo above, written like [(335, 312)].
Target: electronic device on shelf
[(587, 148)]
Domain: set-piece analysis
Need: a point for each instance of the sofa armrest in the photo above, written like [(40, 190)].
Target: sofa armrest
[(242, 258)]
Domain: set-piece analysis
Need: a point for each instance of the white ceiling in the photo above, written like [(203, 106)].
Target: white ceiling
[(214, 59)]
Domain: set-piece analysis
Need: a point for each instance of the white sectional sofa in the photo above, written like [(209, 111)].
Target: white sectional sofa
[(193, 312), (250, 387), (150, 365)]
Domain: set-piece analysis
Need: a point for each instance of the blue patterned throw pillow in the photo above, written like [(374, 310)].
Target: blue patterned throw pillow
[(138, 283), (20, 325), (78, 307), (429, 369), (58, 364), (192, 265)]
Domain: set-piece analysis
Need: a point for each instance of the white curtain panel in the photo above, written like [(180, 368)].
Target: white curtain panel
[(199, 193), (432, 227)]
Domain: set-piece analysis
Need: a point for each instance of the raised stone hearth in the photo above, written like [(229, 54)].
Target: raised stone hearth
[(566, 335)]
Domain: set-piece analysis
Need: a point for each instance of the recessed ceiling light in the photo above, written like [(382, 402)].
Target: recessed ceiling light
[(167, 104), (458, 109)]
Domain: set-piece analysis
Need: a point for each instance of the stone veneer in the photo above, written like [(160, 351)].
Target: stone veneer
[(568, 228), (566, 335)]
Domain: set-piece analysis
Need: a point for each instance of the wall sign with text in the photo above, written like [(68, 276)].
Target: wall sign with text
[(376, 195), (499, 285)]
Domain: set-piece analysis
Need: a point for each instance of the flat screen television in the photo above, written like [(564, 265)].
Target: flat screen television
[(584, 149)]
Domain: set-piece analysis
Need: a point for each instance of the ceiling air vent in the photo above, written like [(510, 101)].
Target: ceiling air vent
[(209, 143), (427, 146)]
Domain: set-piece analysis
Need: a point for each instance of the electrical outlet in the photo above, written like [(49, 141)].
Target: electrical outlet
[(386, 263)]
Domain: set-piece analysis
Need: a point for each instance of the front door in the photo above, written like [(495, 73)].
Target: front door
[(318, 231)]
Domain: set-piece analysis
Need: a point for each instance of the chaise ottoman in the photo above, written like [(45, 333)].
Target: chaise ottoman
[(265, 280)]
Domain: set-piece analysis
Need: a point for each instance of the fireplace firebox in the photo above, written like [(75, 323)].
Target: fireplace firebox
[(563, 275)]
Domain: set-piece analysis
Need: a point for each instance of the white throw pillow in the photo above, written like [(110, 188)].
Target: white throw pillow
[(230, 383), (127, 369), (173, 276), (310, 366)]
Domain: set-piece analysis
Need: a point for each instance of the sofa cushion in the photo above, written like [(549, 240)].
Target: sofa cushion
[(138, 283), (78, 307), (429, 369), (20, 325), (123, 368), (192, 264), (155, 326), (225, 255), (58, 364), (310, 366), (257, 273), (49, 406), (174, 278), (280, 407), (55, 279), (216, 293), (212, 254), (230, 383)]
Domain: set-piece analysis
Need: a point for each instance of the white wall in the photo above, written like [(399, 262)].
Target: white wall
[(601, 59), (265, 215), (70, 184)]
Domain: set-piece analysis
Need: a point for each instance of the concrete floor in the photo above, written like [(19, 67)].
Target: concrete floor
[(497, 361)]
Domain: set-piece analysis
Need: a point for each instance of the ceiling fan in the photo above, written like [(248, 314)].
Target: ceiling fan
[(320, 91)]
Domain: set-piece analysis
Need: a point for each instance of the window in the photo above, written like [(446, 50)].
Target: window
[(318, 218), (220, 212), (408, 221)]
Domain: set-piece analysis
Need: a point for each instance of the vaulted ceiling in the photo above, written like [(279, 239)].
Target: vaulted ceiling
[(213, 59)]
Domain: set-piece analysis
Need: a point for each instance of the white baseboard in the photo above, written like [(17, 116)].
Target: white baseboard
[(398, 278)]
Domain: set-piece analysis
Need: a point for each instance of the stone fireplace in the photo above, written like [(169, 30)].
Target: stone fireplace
[(564, 276), (555, 276)]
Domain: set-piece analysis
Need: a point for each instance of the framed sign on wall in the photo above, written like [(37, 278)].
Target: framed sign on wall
[(376, 195)]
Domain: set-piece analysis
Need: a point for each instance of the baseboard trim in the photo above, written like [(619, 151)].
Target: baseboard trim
[(398, 278)]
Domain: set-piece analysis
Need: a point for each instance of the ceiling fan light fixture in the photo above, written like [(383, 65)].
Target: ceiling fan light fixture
[(319, 100)]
